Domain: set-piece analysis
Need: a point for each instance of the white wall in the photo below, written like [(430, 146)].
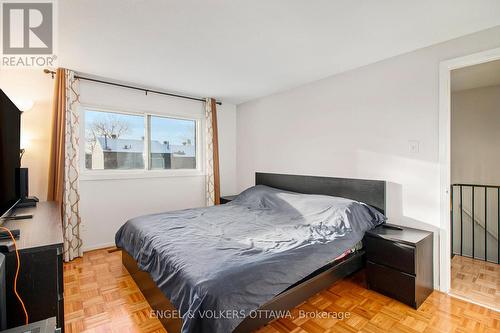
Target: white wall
[(108, 203), (475, 136), (34, 85), (226, 122), (358, 124)]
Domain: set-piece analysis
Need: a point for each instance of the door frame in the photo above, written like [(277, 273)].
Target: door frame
[(445, 68)]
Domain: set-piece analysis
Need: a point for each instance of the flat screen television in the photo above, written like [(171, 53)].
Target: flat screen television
[(10, 142)]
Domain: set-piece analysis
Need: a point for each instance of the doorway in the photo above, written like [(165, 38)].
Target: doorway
[(470, 178)]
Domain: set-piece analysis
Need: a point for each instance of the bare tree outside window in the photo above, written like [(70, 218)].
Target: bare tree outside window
[(111, 126), (113, 140)]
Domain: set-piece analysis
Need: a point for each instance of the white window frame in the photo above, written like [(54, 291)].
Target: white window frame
[(87, 175)]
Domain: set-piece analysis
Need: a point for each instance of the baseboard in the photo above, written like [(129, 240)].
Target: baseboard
[(98, 246)]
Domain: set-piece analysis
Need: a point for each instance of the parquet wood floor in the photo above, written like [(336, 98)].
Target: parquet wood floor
[(100, 296), (476, 280)]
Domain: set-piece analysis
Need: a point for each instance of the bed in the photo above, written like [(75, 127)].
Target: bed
[(230, 268)]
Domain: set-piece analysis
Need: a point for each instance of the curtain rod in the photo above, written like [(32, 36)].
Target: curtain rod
[(48, 71)]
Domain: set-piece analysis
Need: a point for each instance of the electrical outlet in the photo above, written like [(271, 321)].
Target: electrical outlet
[(413, 146)]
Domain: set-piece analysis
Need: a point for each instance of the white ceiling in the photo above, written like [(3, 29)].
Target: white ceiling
[(477, 76), (240, 50)]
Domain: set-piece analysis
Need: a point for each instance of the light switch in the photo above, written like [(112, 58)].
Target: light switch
[(414, 146)]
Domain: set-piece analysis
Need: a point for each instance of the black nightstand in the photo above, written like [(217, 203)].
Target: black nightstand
[(227, 198), (400, 263)]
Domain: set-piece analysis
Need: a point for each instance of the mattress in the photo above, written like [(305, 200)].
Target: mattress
[(218, 264)]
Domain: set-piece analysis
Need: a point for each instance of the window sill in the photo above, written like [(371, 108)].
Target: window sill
[(136, 174)]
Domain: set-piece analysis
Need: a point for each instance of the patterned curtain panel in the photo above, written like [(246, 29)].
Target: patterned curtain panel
[(64, 164), (71, 197), (212, 195)]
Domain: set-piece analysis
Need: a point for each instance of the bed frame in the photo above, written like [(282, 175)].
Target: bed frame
[(371, 192)]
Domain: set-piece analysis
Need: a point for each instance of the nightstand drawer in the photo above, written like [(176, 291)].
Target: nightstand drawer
[(393, 254), (390, 282)]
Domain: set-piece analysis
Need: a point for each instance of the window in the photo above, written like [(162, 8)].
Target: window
[(113, 141), (120, 141), (172, 143)]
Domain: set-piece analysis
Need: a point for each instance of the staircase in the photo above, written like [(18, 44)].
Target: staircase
[(475, 223)]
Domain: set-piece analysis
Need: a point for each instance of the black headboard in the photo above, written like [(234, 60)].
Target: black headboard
[(371, 192)]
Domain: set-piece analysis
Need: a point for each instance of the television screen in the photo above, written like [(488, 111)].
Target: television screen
[(10, 140)]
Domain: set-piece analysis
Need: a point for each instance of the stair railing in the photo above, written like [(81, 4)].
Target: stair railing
[(458, 189)]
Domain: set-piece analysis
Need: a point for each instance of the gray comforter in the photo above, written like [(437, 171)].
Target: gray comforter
[(218, 264)]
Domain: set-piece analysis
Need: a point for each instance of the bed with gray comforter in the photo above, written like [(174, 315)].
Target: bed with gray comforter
[(218, 264)]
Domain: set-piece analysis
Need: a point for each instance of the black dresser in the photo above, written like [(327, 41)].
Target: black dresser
[(40, 281), (400, 263)]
